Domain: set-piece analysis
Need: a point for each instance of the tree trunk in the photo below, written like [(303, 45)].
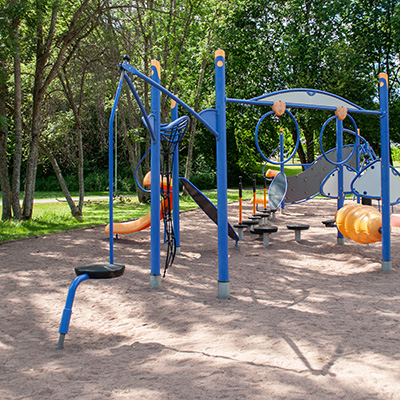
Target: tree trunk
[(300, 150), (134, 158), (16, 174), (74, 210), (42, 54), (76, 110), (189, 158), (309, 146), (30, 179), (4, 178)]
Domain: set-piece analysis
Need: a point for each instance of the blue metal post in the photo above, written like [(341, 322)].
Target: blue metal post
[(339, 158), (111, 168), (282, 157), (155, 276), (385, 170), (222, 177), (175, 183), (358, 154)]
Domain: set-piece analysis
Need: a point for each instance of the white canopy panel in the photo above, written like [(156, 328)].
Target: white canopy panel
[(368, 182), (307, 97)]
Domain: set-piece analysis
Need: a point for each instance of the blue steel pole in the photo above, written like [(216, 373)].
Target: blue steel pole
[(339, 158), (175, 183), (385, 170), (111, 169), (282, 157), (358, 154), (222, 177), (155, 276)]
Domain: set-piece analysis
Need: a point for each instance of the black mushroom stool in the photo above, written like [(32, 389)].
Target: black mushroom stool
[(251, 222), (240, 227), (264, 232), (297, 228), (264, 214), (91, 271), (272, 213), (329, 223), (255, 218)]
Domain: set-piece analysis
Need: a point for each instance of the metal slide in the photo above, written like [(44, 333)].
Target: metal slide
[(206, 205), (306, 184)]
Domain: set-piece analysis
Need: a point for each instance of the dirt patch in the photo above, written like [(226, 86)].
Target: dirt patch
[(308, 320)]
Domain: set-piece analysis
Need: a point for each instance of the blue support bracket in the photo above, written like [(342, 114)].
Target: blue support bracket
[(66, 316)]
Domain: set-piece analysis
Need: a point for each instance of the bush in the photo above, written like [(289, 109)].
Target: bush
[(96, 182), (395, 149), (126, 184), (47, 184), (204, 180)]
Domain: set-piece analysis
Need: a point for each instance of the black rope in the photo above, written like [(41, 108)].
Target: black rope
[(172, 135)]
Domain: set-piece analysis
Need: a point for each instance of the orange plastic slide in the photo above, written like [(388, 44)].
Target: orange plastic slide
[(143, 222)]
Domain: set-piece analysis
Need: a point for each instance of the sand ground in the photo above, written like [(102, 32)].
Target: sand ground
[(309, 320)]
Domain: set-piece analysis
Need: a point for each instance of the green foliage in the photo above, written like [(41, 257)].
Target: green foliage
[(203, 175), (395, 149), (96, 181)]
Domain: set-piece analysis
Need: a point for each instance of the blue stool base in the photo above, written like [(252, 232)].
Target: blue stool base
[(92, 271)]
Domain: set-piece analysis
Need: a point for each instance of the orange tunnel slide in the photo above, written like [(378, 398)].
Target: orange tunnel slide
[(145, 221)]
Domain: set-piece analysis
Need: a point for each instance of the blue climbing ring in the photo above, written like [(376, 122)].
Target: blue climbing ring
[(295, 147), (355, 142)]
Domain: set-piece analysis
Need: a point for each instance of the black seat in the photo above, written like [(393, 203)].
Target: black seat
[(264, 229), (298, 228), (101, 271), (329, 223)]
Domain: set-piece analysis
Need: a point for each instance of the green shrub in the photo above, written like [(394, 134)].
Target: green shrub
[(47, 184), (395, 149), (96, 182), (204, 180)]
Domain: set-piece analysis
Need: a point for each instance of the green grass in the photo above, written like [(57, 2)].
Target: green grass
[(56, 216), (289, 169)]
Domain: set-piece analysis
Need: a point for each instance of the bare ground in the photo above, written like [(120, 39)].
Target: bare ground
[(309, 320)]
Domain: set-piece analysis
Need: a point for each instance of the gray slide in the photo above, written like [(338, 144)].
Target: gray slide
[(306, 184)]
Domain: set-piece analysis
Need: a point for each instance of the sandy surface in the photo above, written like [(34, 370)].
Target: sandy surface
[(309, 320)]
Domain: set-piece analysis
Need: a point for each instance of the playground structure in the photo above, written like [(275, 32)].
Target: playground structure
[(215, 121), (334, 179), (361, 224)]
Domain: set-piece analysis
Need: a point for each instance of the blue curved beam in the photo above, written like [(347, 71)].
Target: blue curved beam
[(127, 67)]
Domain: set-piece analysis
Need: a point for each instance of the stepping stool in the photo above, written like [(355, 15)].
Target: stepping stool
[(240, 227), (329, 223), (264, 232), (250, 223), (255, 217), (272, 213), (297, 228), (264, 214), (85, 272)]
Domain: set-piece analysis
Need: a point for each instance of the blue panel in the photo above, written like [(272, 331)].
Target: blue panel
[(210, 116)]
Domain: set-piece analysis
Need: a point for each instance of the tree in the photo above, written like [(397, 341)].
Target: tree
[(280, 45), (56, 41)]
